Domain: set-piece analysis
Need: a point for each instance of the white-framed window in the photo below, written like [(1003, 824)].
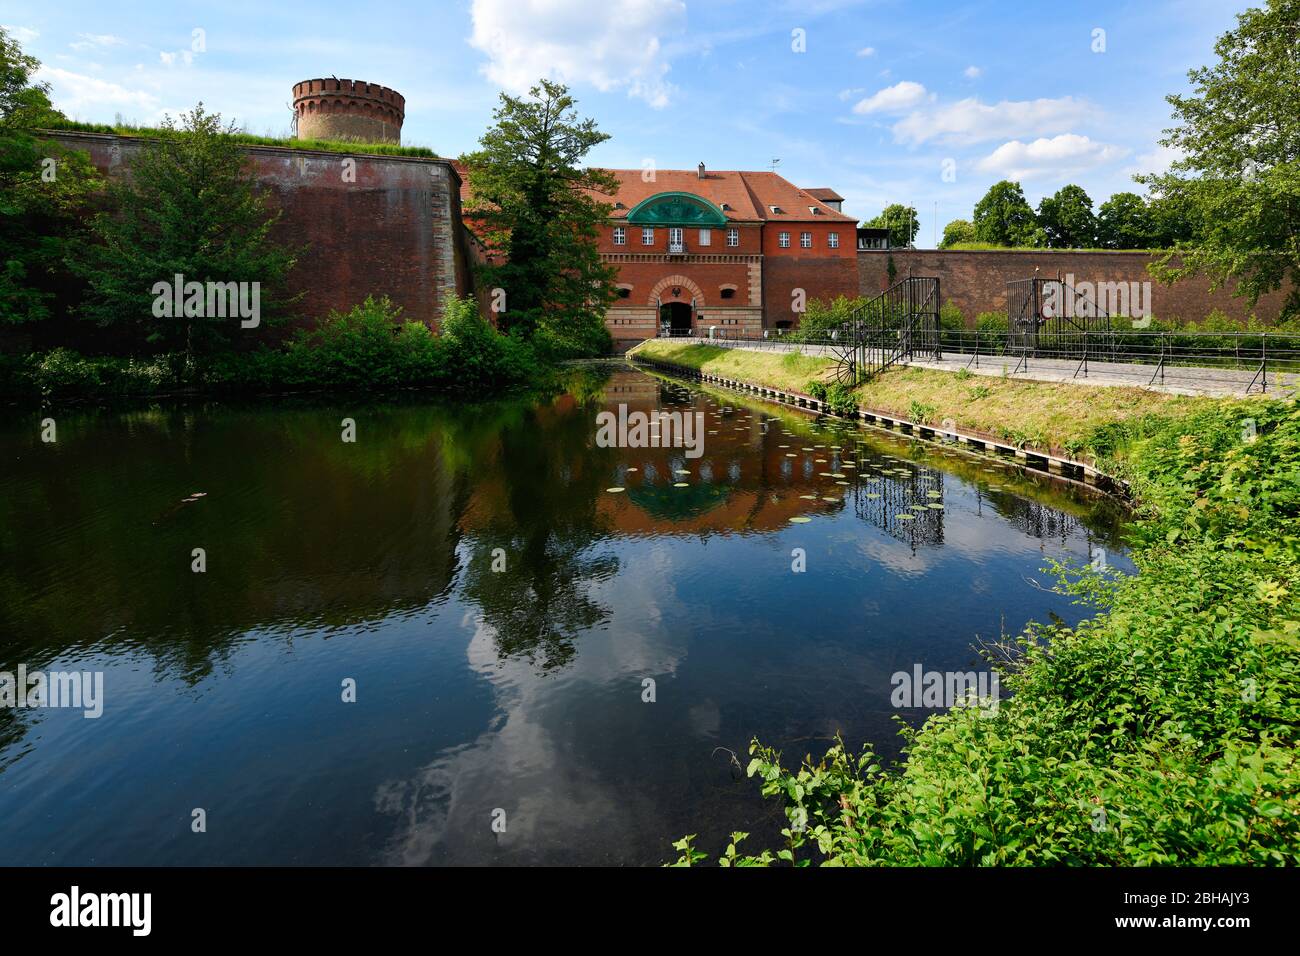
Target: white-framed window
[(676, 235), (833, 240), (733, 237), (783, 240), (805, 240), (706, 237), (647, 235), (620, 236)]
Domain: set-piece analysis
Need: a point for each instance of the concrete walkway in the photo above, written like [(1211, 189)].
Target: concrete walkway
[(1176, 379)]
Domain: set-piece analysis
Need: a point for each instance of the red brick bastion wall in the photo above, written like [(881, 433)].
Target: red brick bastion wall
[(393, 228)]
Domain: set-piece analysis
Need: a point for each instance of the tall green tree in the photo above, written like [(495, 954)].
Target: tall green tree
[(1004, 217), (44, 191), (192, 207), (1124, 222), (540, 213), (957, 232), (1067, 219), (1238, 176), (900, 220)]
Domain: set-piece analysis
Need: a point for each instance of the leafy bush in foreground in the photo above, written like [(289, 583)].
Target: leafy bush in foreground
[(1162, 731)]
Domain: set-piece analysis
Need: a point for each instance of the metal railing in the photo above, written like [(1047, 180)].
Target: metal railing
[(1254, 361), (1225, 362)]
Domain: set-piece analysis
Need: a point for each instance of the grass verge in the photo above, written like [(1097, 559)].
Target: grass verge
[(1052, 417)]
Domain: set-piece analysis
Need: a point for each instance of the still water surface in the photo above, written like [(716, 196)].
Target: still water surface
[(477, 689)]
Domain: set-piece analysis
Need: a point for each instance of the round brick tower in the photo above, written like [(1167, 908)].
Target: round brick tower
[(353, 110)]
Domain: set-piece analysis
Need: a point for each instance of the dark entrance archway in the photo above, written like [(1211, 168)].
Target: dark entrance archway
[(675, 318)]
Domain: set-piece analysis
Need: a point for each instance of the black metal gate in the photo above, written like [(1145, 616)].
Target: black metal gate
[(1048, 318), (896, 326)]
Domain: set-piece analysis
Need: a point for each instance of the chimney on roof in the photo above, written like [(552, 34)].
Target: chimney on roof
[(701, 171)]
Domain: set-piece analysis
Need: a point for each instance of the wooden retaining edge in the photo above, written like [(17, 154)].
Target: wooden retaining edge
[(1068, 469)]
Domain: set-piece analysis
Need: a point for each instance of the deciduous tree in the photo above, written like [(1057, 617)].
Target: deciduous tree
[(540, 212), (1238, 176)]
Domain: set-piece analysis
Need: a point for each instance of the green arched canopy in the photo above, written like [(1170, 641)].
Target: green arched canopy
[(676, 209)]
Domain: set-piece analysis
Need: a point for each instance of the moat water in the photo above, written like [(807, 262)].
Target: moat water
[(502, 616)]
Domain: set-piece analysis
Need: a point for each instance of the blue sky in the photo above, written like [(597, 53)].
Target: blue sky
[(919, 101)]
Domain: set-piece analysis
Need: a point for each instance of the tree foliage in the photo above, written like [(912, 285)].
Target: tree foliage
[(540, 214), (1067, 219), (957, 232), (1238, 134), (900, 220), (1004, 217), (44, 190), (190, 207)]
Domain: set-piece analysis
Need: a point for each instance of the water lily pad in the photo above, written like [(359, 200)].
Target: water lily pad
[(800, 519), (614, 490), (681, 484), (904, 516)]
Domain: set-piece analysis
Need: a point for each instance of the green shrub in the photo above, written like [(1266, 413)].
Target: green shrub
[(991, 322), (951, 317), (62, 373), (369, 347)]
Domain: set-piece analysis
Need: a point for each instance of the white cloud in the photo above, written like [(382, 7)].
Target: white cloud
[(867, 51), (970, 121), (1157, 161), (851, 92), (180, 56), (1057, 157), (893, 99), (92, 41), (79, 95), (972, 72), (21, 34), (616, 44)]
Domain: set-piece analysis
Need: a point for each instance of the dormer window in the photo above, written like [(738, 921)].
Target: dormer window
[(726, 207), (775, 209), (815, 210)]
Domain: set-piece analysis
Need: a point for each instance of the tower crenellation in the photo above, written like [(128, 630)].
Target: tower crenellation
[(340, 109)]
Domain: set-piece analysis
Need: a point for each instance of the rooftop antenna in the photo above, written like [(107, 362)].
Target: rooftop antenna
[(775, 163)]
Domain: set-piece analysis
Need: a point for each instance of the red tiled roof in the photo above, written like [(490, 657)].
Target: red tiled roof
[(824, 194), (748, 196)]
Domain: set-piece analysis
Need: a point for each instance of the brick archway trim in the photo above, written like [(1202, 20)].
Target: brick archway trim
[(696, 292)]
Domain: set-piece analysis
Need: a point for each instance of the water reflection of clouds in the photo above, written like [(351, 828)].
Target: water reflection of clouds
[(525, 761)]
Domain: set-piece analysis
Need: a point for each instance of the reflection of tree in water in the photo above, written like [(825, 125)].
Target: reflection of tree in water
[(302, 531), (542, 512)]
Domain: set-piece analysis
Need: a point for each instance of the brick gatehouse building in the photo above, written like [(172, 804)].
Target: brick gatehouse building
[(731, 250), (701, 248)]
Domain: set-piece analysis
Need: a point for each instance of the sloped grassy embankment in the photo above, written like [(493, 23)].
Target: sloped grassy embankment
[(1163, 730)]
